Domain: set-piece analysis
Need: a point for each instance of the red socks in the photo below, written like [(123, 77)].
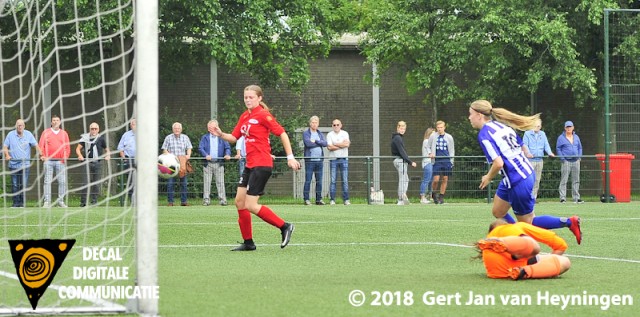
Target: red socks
[(269, 217), (244, 220)]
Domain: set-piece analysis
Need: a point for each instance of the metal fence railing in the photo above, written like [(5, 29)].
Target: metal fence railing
[(365, 172)]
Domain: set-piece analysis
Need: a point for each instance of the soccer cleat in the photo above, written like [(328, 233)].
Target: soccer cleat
[(562, 201), (287, 231), (223, 203), (245, 247), (517, 273), (575, 228), (495, 245), (579, 201), (206, 202)]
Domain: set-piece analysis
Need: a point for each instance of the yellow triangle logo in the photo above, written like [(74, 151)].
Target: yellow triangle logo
[(37, 262)]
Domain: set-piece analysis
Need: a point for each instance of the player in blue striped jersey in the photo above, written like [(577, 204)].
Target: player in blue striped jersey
[(503, 149)]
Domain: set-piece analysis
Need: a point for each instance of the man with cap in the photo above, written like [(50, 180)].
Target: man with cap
[(569, 150)]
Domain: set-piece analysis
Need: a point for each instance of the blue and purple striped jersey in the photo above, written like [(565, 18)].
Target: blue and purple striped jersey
[(497, 139)]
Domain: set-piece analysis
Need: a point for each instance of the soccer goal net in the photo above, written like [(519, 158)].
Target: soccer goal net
[(68, 220)]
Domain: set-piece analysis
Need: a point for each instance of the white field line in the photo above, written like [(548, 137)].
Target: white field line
[(174, 246)]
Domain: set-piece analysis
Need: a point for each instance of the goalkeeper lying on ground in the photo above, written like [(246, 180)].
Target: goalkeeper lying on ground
[(511, 250)]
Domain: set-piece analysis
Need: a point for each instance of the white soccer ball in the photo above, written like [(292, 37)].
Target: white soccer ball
[(168, 165)]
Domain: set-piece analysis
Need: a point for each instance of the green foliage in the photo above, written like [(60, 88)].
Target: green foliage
[(454, 50), (267, 38)]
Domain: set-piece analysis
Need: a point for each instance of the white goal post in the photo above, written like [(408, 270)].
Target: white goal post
[(78, 232)]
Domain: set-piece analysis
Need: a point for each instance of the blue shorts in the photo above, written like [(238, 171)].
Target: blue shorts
[(519, 196), (442, 168)]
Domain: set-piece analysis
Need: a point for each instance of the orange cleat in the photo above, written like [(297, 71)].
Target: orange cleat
[(496, 245)]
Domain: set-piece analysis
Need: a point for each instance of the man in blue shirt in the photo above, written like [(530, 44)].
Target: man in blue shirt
[(127, 150), (536, 144), (569, 149), (17, 150), (215, 151)]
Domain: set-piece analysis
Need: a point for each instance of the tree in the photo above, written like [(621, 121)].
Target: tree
[(456, 49), (271, 39)]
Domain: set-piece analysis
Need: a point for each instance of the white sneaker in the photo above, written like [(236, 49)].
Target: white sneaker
[(347, 202), (425, 201), (307, 202), (332, 202), (46, 205), (400, 203), (62, 205)]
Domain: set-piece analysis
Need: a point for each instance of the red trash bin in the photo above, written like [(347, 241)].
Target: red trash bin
[(620, 176)]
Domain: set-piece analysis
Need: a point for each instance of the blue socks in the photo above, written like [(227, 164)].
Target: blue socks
[(508, 218), (551, 222)]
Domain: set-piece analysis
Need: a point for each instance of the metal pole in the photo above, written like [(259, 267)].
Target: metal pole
[(607, 114)]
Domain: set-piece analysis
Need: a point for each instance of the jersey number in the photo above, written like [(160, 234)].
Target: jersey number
[(511, 141)]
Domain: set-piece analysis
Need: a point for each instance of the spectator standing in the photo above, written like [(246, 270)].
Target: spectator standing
[(127, 150), (401, 162), (427, 168), (442, 152), (338, 145), (314, 141), (179, 145), (17, 151), (241, 154), (91, 148), (55, 149), (215, 151), (569, 149), (536, 144)]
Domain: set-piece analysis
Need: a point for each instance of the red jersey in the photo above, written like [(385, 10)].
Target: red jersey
[(255, 126)]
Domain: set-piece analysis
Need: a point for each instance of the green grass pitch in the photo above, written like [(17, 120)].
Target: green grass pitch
[(400, 257)]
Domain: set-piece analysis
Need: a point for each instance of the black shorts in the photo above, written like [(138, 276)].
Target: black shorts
[(255, 179)]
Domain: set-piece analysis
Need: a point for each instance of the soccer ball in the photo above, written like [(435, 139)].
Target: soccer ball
[(168, 165)]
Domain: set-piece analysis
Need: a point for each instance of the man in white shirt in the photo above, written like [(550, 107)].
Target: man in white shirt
[(338, 145)]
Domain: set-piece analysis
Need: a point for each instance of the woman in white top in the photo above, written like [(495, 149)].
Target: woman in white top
[(425, 186)]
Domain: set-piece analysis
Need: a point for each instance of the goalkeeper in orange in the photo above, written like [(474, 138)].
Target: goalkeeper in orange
[(511, 250)]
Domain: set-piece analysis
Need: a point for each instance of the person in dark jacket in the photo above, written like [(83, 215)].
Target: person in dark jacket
[(401, 162), (569, 149), (314, 141)]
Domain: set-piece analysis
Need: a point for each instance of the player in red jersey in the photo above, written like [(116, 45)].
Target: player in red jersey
[(255, 125)]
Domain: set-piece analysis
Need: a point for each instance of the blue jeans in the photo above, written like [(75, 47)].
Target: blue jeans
[(183, 189), (313, 168), (427, 177), (241, 163), (343, 165), (19, 177)]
